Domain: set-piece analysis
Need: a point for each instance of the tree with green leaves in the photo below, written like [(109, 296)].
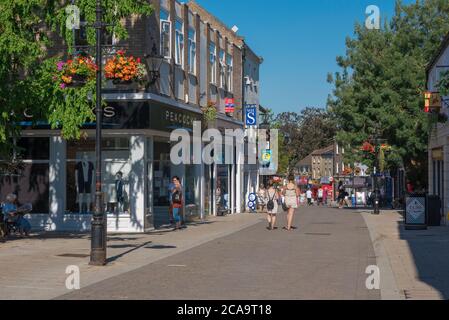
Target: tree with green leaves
[(27, 73), (379, 92), (301, 133)]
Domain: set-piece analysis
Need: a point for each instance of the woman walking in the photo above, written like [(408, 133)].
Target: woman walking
[(291, 193), (177, 202), (272, 205)]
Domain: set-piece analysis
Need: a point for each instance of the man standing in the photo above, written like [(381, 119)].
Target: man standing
[(309, 197)]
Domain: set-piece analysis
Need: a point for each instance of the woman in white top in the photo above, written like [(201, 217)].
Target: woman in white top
[(272, 205), (291, 193)]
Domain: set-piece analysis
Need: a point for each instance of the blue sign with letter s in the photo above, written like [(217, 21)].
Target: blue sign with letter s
[(251, 116)]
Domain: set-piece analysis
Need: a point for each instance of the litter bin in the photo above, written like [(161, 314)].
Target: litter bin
[(433, 210)]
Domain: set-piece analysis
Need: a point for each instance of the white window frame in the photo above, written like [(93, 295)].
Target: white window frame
[(164, 23), (192, 51), (229, 72), (222, 68), (179, 43), (213, 63)]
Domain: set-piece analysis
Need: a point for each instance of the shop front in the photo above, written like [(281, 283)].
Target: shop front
[(58, 177)]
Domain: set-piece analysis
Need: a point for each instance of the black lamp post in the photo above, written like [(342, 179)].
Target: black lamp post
[(99, 225), (376, 209)]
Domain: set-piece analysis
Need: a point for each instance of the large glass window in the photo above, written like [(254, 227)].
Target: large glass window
[(80, 189), (213, 63), (222, 69), (165, 26), (192, 51), (179, 54), (229, 72), (29, 180)]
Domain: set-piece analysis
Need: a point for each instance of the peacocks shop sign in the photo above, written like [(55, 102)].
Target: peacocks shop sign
[(149, 115)]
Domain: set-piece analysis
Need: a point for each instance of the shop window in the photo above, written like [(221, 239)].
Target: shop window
[(27, 150), (161, 174), (30, 180), (81, 169)]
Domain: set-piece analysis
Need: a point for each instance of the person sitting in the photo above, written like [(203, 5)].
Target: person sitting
[(12, 215)]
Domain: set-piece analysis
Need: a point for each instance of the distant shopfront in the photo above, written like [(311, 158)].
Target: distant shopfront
[(57, 176)]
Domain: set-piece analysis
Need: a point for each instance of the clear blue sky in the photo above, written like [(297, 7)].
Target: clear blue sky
[(299, 41)]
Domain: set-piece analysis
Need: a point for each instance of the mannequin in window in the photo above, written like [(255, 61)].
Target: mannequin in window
[(83, 178), (119, 191)]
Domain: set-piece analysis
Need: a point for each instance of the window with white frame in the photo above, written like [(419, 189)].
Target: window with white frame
[(213, 63), (229, 72), (165, 34), (179, 43), (222, 69), (192, 51)]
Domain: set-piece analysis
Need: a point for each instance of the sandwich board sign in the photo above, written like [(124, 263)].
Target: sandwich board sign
[(415, 212)]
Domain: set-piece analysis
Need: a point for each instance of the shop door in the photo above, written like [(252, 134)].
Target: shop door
[(161, 176)]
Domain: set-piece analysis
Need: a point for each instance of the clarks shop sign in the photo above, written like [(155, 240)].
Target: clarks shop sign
[(143, 115)]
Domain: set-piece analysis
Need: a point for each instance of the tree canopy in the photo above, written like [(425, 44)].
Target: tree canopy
[(27, 28), (379, 92)]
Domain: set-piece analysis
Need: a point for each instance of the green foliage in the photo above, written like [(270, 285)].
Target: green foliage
[(443, 84), (26, 73), (21, 41), (303, 133), (378, 93), (114, 13), (210, 113)]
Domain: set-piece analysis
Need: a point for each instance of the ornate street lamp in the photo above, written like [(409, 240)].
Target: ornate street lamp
[(154, 62)]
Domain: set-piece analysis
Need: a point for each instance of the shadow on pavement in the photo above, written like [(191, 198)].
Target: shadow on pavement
[(134, 248), (430, 251)]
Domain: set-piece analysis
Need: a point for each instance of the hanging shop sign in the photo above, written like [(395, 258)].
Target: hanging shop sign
[(229, 105), (250, 115)]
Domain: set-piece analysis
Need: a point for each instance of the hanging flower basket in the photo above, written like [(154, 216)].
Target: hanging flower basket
[(124, 70), (210, 113), (75, 72)]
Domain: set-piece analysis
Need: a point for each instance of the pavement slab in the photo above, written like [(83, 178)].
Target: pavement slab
[(325, 258)]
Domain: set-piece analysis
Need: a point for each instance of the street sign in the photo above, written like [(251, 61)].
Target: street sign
[(250, 116), (415, 212), (252, 201)]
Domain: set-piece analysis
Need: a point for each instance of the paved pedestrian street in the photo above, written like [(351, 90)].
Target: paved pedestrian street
[(325, 258)]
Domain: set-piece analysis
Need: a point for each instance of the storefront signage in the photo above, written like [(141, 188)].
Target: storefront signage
[(415, 211), (250, 115), (138, 115)]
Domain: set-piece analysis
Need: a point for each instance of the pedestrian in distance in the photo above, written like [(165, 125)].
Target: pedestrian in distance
[(309, 197), (325, 197), (272, 205), (171, 187), (320, 196), (262, 198), (291, 194), (177, 202)]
